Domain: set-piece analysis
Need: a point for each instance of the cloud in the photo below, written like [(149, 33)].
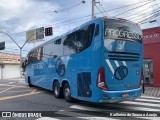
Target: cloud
[(26, 14)]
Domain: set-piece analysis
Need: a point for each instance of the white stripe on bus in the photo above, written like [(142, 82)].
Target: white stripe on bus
[(116, 62), (110, 66), (124, 63)]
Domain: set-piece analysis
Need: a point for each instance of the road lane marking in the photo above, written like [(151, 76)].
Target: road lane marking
[(98, 118), (14, 85), (16, 96), (147, 100), (150, 97), (85, 108), (149, 118), (20, 91), (7, 89), (87, 116), (47, 118), (122, 106), (139, 103)]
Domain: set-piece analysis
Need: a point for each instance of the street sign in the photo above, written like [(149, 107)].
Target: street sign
[(48, 31), (31, 36), (2, 45), (35, 35), (40, 33)]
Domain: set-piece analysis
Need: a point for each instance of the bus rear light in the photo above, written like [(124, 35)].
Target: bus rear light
[(101, 79), (141, 80)]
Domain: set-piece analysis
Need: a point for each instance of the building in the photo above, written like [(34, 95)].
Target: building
[(9, 65), (151, 65)]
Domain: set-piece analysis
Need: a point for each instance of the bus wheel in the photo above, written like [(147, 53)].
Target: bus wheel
[(29, 83), (67, 93), (57, 90)]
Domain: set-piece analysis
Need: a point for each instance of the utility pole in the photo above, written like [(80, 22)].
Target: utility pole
[(20, 62), (93, 4)]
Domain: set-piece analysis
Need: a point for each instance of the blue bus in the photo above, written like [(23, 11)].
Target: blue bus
[(99, 61)]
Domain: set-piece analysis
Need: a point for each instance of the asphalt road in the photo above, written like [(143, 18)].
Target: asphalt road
[(18, 97)]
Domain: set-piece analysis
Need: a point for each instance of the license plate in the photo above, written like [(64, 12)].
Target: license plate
[(125, 94)]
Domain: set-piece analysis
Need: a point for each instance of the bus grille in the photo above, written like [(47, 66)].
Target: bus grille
[(123, 56)]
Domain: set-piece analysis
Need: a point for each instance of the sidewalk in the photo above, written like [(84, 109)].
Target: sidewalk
[(152, 91)]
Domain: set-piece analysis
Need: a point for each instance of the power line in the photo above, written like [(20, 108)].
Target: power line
[(99, 10), (82, 2), (101, 5), (133, 8), (146, 15), (133, 15), (151, 17), (95, 13)]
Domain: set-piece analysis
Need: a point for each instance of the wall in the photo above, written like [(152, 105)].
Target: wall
[(10, 71), (152, 51)]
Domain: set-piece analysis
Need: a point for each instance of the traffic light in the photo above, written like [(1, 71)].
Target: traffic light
[(48, 31), (2, 45)]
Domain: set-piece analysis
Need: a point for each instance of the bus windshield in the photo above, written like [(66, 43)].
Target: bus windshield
[(120, 29)]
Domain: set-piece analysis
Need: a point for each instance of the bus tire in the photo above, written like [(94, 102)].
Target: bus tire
[(57, 90), (29, 83), (67, 93)]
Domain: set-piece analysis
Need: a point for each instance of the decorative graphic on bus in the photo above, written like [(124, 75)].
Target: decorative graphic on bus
[(60, 67), (121, 72)]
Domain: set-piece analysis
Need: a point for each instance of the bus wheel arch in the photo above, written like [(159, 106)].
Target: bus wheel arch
[(57, 90)]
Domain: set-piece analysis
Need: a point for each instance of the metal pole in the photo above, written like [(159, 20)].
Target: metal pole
[(93, 4), (20, 62)]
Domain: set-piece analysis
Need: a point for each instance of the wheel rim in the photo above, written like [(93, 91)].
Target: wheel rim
[(67, 92)]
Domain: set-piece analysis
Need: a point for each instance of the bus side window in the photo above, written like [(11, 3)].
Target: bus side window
[(47, 51), (97, 30), (57, 49), (86, 35), (70, 44), (78, 40), (40, 53), (33, 56)]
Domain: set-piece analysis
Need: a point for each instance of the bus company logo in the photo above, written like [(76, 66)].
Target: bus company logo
[(121, 72), (60, 67)]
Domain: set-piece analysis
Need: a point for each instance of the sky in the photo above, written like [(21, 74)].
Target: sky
[(19, 16)]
